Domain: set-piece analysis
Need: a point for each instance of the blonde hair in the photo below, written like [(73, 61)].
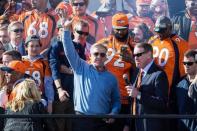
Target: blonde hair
[(26, 91)]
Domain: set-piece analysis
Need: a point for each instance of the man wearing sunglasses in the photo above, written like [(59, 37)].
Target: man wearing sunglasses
[(79, 8), (62, 73), (185, 23), (187, 104), (15, 32), (95, 89), (149, 92)]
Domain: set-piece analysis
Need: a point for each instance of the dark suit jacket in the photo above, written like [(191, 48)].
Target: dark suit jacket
[(181, 25), (21, 48), (154, 93)]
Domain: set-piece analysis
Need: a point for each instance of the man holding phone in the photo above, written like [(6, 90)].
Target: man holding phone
[(119, 60)]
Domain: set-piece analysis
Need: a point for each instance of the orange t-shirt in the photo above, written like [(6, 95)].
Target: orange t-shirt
[(115, 65), (164, 54)]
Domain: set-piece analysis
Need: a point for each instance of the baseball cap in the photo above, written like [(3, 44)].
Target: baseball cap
[(120, 21), (143, 2), (15, 65), (162, 23), (31, 38)]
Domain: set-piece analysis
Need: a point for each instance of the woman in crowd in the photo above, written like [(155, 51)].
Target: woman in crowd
[(27, 101)]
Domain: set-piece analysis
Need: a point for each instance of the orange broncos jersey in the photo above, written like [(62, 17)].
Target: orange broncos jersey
[(136, 20), (164, 54), (41, 24), (115, 65), (38, 69)]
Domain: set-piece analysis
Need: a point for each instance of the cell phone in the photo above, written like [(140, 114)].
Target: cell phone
[(123, 49)]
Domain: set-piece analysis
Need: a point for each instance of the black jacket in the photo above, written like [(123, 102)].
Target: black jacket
[(26, 124), (181, 25), (154, 93)]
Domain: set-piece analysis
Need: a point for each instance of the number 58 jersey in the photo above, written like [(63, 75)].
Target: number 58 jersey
[(38, 69)]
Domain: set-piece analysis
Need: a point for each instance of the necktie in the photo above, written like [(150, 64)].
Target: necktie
[(16, 48), (139, 81)]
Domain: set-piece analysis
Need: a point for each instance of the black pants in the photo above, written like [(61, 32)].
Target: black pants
[(1, 119), (119, 124), (89, 124)]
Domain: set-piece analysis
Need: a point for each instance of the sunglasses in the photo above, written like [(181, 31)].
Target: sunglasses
[(17, 30), (82, 33), (188, 63), (96, 54), (138, 54), (79, 4)]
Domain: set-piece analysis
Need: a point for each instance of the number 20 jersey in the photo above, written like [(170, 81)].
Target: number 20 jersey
[(164, 54)]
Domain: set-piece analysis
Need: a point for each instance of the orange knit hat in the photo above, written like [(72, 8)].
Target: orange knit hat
[(120, 21)]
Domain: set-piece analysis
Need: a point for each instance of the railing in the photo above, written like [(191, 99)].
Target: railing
[(73, 116)]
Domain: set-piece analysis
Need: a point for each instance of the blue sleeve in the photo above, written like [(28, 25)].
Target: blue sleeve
[(54, 61), (75, 61), (48, 86), (116, 104)]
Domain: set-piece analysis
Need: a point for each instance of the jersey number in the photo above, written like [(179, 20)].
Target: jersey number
[(43, 30), (162, 55), (118, 62), (36, 76)]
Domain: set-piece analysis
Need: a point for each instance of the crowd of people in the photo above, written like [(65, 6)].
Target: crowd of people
[(58, 58)]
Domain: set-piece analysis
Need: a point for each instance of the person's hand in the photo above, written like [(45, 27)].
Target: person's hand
[(50, 107), (109, 120), (63, 95), (126, 128), (127, 57), (67, 24), (133, 92), (65, 69), (62, 13)]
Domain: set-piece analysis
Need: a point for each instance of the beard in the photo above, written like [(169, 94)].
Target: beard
[(121, 38)]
